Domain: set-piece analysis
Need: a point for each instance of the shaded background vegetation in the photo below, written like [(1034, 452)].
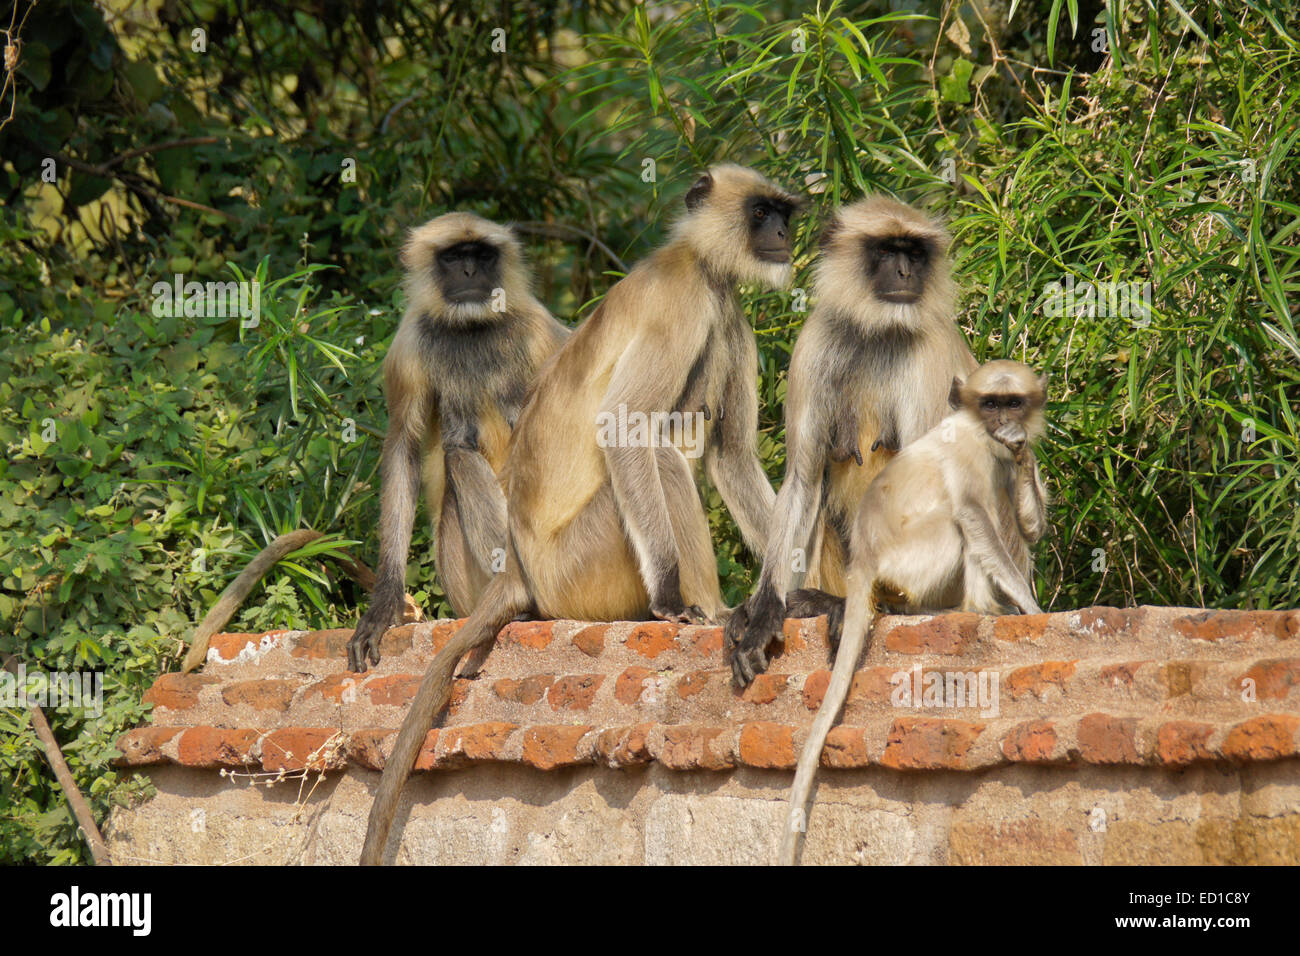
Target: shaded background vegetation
[(148, 458)]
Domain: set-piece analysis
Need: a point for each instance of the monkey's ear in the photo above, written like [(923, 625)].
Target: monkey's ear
[(696, 195), (954, 393)]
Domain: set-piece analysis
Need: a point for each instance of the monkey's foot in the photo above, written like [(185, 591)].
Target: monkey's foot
[(687, 615), (750, 630), (810, 602)]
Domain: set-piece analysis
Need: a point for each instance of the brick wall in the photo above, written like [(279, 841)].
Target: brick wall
[(1174, 728)]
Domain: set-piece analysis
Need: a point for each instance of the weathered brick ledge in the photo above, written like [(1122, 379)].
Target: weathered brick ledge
[(1152, 689), (1138, 686)]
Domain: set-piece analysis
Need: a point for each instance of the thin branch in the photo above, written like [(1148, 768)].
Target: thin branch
[(67, 782), (561, 230)]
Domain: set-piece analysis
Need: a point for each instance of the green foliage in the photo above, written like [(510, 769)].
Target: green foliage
[(151, 456)]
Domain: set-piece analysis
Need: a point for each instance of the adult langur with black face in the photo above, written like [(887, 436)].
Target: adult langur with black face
[(869, 374), (455, 380), (605, 519), (949, 523)]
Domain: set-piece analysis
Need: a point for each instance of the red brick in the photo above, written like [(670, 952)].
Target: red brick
[(393, 690), (230, 646), (929, 743), (1117, 674), (1036, 678), (460, 688), (1109, 621), (625, 746), (768, 745), (549, 747), (653, 638), (875, 685), (765, 688), (443, 632), (1269, 737), (953, 633), (1104, 739), (630, 684), (534, 635), (526, 691), (846, 748), (814, 688), (300, 748), (793, 628), (210, 747), (332, 644), (261, 694), (871, 685), (575, 692), (178, 691), (143, 745), (591, 640), (1034, 741), (323, 645), (701, 641), (1183, 741), (475, 742), (1180, 677), (694, 747), (1273, 678), (1230, 625), (335, 686), (691, 684), (426, 758), (1020, 627), (369, 748)]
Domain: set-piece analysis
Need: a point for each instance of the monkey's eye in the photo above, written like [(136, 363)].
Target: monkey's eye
[(760, 213), (988, 403), (1013, 403)]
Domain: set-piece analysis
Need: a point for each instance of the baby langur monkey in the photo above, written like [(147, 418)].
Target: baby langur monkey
[(455, 379), (948, 523)]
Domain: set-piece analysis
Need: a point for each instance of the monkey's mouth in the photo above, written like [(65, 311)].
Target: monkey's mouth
[(781, 256), (899, 297), (467, 296)]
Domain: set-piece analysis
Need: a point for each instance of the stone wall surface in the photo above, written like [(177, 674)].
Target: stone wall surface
[(1139, 735)]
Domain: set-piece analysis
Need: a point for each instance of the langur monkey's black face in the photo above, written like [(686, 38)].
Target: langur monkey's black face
[(769, 228), (468, 272), (899, 267)]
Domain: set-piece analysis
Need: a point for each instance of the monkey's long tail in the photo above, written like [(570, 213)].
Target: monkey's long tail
[(500, 604), (859, 613)]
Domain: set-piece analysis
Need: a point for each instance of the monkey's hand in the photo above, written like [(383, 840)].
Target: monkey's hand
[(1012, 435), (750, 630), (382, 614)]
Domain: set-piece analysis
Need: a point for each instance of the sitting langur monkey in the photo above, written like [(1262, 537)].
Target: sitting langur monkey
[(605, 520), (949, 523), (455, 380), (869, 375)]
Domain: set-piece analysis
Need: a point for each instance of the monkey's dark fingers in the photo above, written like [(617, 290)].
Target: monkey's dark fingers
[(364, 645), (705, 409), (747, 663), (857, 455)]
